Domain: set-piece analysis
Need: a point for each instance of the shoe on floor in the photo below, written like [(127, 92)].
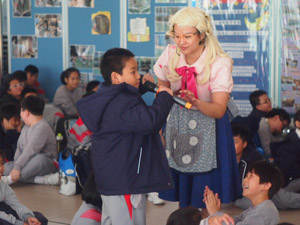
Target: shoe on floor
[(52, 179), (153, 197)]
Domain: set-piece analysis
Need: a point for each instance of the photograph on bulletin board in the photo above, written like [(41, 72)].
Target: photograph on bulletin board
[(48, 25), (139, 6), (21, 8), (145, 65), (81, 3), (161, 41), (139, 31), (24, 46), (82, 56), (162, 15), (101, 23), (97, 57), (48, 3)]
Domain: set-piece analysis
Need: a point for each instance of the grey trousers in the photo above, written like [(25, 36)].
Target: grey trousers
[(115, 211), (285, 198), (38, 165)]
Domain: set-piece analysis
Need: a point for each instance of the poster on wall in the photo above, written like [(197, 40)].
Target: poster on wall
[(139, 6), (82, 56), (139, 31), (101, 23), (48, 25), (243, 30), (81, 3), (48, 3), (162, 15), (24, 46), (21, 8), (290, 56), (97, 58)]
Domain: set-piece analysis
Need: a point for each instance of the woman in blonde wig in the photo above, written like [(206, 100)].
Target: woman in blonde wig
[(199, 143)]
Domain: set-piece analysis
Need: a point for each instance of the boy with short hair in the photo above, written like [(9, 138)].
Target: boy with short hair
[(269, 126), (36, 148), (262, 182), (127, 153), (10, 127), (260, 102)]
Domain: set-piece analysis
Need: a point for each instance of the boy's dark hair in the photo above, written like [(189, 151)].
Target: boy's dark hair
[(285, 223), (27, 90), (20, 75), (114, 61), (88, 94), (267, 173), (7, 79), (31, 69), (89, 193), (240, 130), (283, 115), (34, 104), (66, 74), (185, 216), (9, 110), (297, 116), (254, 97), (91, 85)]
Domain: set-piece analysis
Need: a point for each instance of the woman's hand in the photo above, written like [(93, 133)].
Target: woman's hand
[(189, 96), (147, 77)]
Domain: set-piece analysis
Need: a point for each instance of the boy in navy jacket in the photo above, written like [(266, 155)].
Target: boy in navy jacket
[(127, 153)]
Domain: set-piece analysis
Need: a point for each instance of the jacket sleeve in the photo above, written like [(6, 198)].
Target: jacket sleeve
[(11, 200), (137, 117)]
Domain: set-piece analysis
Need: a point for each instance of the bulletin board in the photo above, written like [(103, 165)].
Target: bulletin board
[(90, 27), (29, 48)]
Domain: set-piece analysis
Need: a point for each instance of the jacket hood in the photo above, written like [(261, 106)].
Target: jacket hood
[(92, 108)]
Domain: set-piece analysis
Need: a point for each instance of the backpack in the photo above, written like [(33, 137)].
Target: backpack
[(74, 170)]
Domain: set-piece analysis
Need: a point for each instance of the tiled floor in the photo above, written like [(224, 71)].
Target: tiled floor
[(59, 209)]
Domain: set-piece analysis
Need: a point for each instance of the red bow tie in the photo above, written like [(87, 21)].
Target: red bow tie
[(188, 80)]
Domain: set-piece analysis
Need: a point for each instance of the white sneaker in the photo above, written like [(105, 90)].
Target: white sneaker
[(68, 185), (153, 197), (52, 179)]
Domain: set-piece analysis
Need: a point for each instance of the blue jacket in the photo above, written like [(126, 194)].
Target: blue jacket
[(127, 153)]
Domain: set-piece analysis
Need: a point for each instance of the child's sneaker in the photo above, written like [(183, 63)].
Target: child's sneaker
[(153, 197), (5, 179), (52, 179)]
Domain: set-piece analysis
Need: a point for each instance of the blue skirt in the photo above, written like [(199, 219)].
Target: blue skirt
[(224, 180)]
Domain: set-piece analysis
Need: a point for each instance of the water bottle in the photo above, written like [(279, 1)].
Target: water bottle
[(59, 139)]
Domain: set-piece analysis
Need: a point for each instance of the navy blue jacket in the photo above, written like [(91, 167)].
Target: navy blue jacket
[(127, 153)]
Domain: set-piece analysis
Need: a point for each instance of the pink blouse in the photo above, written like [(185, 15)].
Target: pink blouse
[(220, 79)]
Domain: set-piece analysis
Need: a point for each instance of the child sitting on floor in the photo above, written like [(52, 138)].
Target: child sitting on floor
[(262, 182), (36, 148), (12, 211)]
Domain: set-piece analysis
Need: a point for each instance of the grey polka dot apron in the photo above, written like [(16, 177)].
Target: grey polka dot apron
[(190, 140)]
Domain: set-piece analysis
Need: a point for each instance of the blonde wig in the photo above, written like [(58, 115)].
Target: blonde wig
[(195, 17)]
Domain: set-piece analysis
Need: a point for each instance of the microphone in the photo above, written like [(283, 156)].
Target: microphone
[(153, 88)]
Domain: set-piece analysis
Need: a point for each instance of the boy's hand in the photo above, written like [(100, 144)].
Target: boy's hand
[(7, 125), (15, 175), (212, 201), (164, 88), (147, 77), (33, 221), (219, 220)]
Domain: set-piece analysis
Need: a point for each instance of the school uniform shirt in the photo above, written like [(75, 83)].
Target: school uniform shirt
[(66, 99), (36, 139), (264, 213), (127, 153), (8, 196)]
